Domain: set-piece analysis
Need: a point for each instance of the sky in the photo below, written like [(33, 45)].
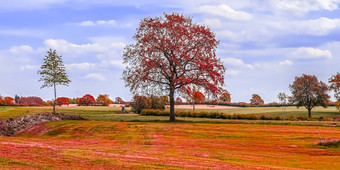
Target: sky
[(264, 44)]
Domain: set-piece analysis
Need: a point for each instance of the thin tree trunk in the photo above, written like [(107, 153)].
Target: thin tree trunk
[(309, 113), (55, 96), (172, 105), (193, 106)]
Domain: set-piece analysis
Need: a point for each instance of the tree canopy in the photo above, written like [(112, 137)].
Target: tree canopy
[(307, 91), (173, 54), (53, 72)]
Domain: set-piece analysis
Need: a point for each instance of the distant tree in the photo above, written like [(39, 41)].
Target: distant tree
[(225, 97), (157, 102), (195, 97), (256, 100), (2, 102), (283, 97), (72, 101), (62, 101), (139, 103), (16, 98), (179, 100), (104, 100), (86, 100), (30, 101), (307, 91), (335, 85), (119, 100), (8, 101), (53, 73), (173, 55), (165, 99)]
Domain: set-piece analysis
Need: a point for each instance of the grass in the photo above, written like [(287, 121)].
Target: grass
[(153, 145), (109, 140)]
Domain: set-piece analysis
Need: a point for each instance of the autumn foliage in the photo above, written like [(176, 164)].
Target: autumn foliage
[(120, 100), (139, 103), (103, 100), (62, 101), (256, 100), (225, 97), (173, 54), (307, 91), (30, 101), (86, 100), (179, 100)]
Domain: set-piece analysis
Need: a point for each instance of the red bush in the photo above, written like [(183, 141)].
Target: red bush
[(8, 101), (30, 101), (86, 100), (62, 101)]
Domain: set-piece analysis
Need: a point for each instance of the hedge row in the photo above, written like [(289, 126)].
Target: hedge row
[(220, 115)]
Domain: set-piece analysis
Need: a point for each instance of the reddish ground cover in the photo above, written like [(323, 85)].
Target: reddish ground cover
[(100, 145)]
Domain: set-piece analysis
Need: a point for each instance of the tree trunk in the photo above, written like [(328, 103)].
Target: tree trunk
[(55, 96), (309, 113), (193, 106), (172, 105)]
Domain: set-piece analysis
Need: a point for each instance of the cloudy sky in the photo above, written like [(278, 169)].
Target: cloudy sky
[(263, 43)]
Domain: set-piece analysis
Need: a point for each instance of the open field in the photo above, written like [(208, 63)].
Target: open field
[(112, 140), (102, 144)]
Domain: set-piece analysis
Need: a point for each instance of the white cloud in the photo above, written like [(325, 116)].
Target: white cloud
[(99, 22), (95, 76), (29, 67), (225, 11), (23, 49), (80, 66), (321, 26), (303, 6), (286, 63), (232, 72), (310, 53), (236, 62), (214, 22)]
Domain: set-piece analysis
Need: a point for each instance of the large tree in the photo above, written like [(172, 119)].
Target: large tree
[(53, 73), (173, 55), (307, 91), (335, 85)]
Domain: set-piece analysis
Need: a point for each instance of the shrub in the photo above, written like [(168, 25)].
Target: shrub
[(62, 101), (103, 100), (86, 100), (30, 101), (8, 101), (139, 103), (337, 105), (158, 102)]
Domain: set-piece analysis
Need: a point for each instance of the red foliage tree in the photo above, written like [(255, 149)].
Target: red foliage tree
[(335, 85), (307, 91), (30, 101), (2, 102), (120, 100), (179, 100), (62, 101), (103, 100), (86, 100), (225, 97), (256, 100), (8, 101), (173, 54)]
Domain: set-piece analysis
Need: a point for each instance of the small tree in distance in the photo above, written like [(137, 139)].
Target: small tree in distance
[(53, 73), (173, 55), (225, 97), (307, 91), (335, 85), (256, 100), (283, 97)]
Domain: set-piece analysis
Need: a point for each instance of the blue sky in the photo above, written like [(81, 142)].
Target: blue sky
[(264, 44)]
